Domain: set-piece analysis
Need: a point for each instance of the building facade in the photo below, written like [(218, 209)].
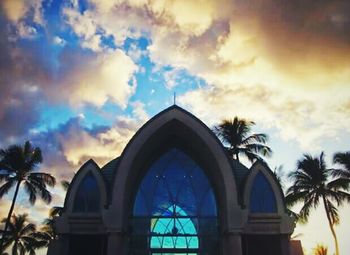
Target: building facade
[(173, 190)]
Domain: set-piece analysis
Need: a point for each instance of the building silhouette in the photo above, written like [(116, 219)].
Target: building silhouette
[(174, 190)]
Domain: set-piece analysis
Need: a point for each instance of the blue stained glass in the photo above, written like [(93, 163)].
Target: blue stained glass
[(262, 197), (175, 179), (182, 231), (87, 198), (175, 208)]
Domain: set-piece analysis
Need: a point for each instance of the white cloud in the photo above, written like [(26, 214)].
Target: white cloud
[(304, 120), (108, 76), (171, 78), (59, 41), (85, 26), (135, 52), (26, 31), (79, 144)]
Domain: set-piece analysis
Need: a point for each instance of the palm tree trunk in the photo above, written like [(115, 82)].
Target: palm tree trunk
[(331, 226), (9, 215)]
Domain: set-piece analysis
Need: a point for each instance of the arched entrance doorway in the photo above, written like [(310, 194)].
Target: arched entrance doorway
[(175, 209)]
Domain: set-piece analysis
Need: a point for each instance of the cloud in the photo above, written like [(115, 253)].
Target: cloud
[(284, 48), (303, 120), (20, 82), (85, 27), (97, 78), (14, 9), (278, 43), (59, 41), (22, 16), (71, 144)]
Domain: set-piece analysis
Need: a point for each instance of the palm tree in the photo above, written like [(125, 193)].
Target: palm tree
[(17, 166), (21, 235), (343, 159), (45, 235), (48, 231), (237, 138), (320, 249), (311, 185)]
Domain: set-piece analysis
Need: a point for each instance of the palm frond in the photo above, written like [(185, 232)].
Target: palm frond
[(333, 212), (260, 138), (4, 175), (342, 158), (65, 184), (4, 189), (341, 173), (55, 211), (33, 159), (305, 210), (39, 181), (250, 155), (340, 183), (294, 197), (46, 178), (259, 149), (30, 227), (31, 191)]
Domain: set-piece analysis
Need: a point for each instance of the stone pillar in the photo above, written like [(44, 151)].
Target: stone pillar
[(117, 243), (232, 244)]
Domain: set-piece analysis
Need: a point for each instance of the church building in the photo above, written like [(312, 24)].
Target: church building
[(174, 191)]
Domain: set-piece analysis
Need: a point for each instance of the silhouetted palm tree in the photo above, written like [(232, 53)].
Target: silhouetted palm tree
[(311, 185), (320, 250), (16, 167), (343, 159), (65, 184), (21, 235), (45, 235), (237, 139), (48, 231)]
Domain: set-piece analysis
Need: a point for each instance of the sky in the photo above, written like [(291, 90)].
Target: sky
[(79, 77)]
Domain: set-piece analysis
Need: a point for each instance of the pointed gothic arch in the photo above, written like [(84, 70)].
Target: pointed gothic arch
[(89, 174), (261, 175), (174, 127)]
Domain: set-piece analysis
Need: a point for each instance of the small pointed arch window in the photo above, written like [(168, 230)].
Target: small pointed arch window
[(87, 197), (262, 197)]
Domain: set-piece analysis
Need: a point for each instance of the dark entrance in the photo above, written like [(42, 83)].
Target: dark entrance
[(262, 244), (87, 245)]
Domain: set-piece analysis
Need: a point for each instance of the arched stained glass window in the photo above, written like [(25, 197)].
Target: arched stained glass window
[(262, 197), (175, 209), (87, 197)]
